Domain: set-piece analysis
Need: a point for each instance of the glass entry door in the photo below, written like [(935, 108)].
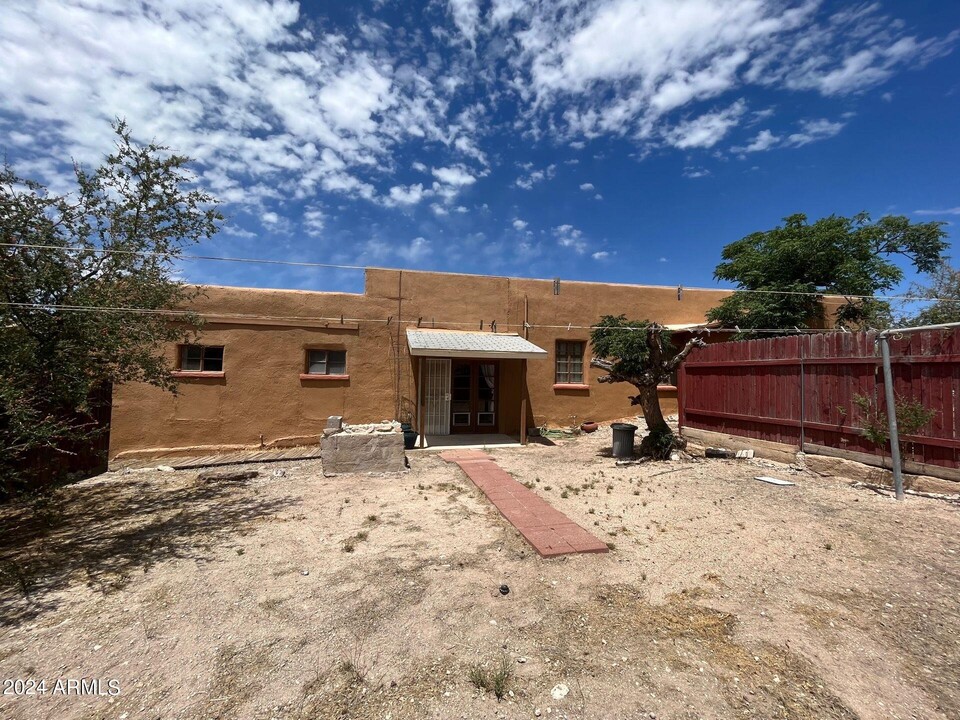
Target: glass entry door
[(473, 406)]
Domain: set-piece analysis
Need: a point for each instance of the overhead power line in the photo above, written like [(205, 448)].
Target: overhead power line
[(147, 253), (334, 266)]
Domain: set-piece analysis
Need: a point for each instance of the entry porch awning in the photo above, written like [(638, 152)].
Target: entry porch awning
[(457, 343)]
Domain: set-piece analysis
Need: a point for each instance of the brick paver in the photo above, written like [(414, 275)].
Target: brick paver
[(549, 531)]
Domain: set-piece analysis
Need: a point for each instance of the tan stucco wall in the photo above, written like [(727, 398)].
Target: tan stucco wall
[(262, 398)]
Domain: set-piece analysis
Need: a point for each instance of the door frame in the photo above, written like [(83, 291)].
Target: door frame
[(474, 427)]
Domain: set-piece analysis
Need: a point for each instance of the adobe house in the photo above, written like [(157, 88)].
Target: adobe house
[(450, 353)]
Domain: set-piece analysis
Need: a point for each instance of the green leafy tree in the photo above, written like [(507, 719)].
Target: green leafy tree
[(69, 266), (784, 273), (943, 294), (641, 353)]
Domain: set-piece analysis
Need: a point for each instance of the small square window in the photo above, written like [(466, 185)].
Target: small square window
[(201, 358), (327, 362), (569, 362)]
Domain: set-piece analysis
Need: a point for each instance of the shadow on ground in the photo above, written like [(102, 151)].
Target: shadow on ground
[(100, 533)]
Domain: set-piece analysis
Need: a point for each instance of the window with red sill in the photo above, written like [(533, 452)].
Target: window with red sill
[(201, 358), (569, 362)]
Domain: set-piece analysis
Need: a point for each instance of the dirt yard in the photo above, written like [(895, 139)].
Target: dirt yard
[(296, 596)]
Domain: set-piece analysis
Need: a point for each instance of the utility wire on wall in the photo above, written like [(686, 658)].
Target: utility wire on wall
[(240, 317)]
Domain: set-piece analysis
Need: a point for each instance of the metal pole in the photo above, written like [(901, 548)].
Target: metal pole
[(891, 415), (803, 394)]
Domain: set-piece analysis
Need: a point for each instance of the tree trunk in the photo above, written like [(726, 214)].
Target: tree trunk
[(650, 402)]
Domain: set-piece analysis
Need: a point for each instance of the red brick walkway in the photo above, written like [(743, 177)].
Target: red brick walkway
[(549, 531)]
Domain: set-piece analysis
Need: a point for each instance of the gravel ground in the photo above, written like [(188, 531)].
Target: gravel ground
[(293, 595)]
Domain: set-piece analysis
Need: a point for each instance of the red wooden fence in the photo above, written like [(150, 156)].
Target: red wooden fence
[(800, 390)]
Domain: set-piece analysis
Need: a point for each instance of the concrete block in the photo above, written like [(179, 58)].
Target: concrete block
[(851, 470), (346, 453), (335, 422)]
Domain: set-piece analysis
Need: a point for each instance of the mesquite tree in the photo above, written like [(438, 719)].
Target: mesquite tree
[(783, 274), (72, 269), (641, 353)]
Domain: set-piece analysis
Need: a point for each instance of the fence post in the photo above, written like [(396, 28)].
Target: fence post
[(891, 416), (803, 392)]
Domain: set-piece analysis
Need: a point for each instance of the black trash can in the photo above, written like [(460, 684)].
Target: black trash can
[(409, 436), (623, 434)]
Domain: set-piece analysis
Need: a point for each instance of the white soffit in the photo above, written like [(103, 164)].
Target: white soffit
[(456, 343)]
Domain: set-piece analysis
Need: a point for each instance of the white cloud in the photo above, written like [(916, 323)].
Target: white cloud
[(269, 106), (275, 106), (813, 130), (587, 187), (947, 211), (706, 130), (695, 172), (351, 99), (407, 195), (600, 255), (466, 16), (850, 51), (417, 251), (584, 72), (533, 177), (236, 231), (456, 175), (763, 141), (808, 131), (314, 221), (519, 224), (570, 237)]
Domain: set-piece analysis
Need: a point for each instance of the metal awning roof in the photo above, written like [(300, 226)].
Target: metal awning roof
[(456, 343), (693, 326)]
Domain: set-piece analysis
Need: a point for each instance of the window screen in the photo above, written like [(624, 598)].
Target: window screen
[(201, 358), (569, 362), (327, 362)]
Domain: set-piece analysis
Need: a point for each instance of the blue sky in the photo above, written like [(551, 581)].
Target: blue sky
[(614, 140)]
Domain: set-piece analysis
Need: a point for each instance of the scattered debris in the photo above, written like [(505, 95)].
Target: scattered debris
[(227, 475), (888, 492), (725, 454), (773, 480), (562, 433), (504, 589), (559, 691), (668, 472), (164, 468), (638, 461)]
